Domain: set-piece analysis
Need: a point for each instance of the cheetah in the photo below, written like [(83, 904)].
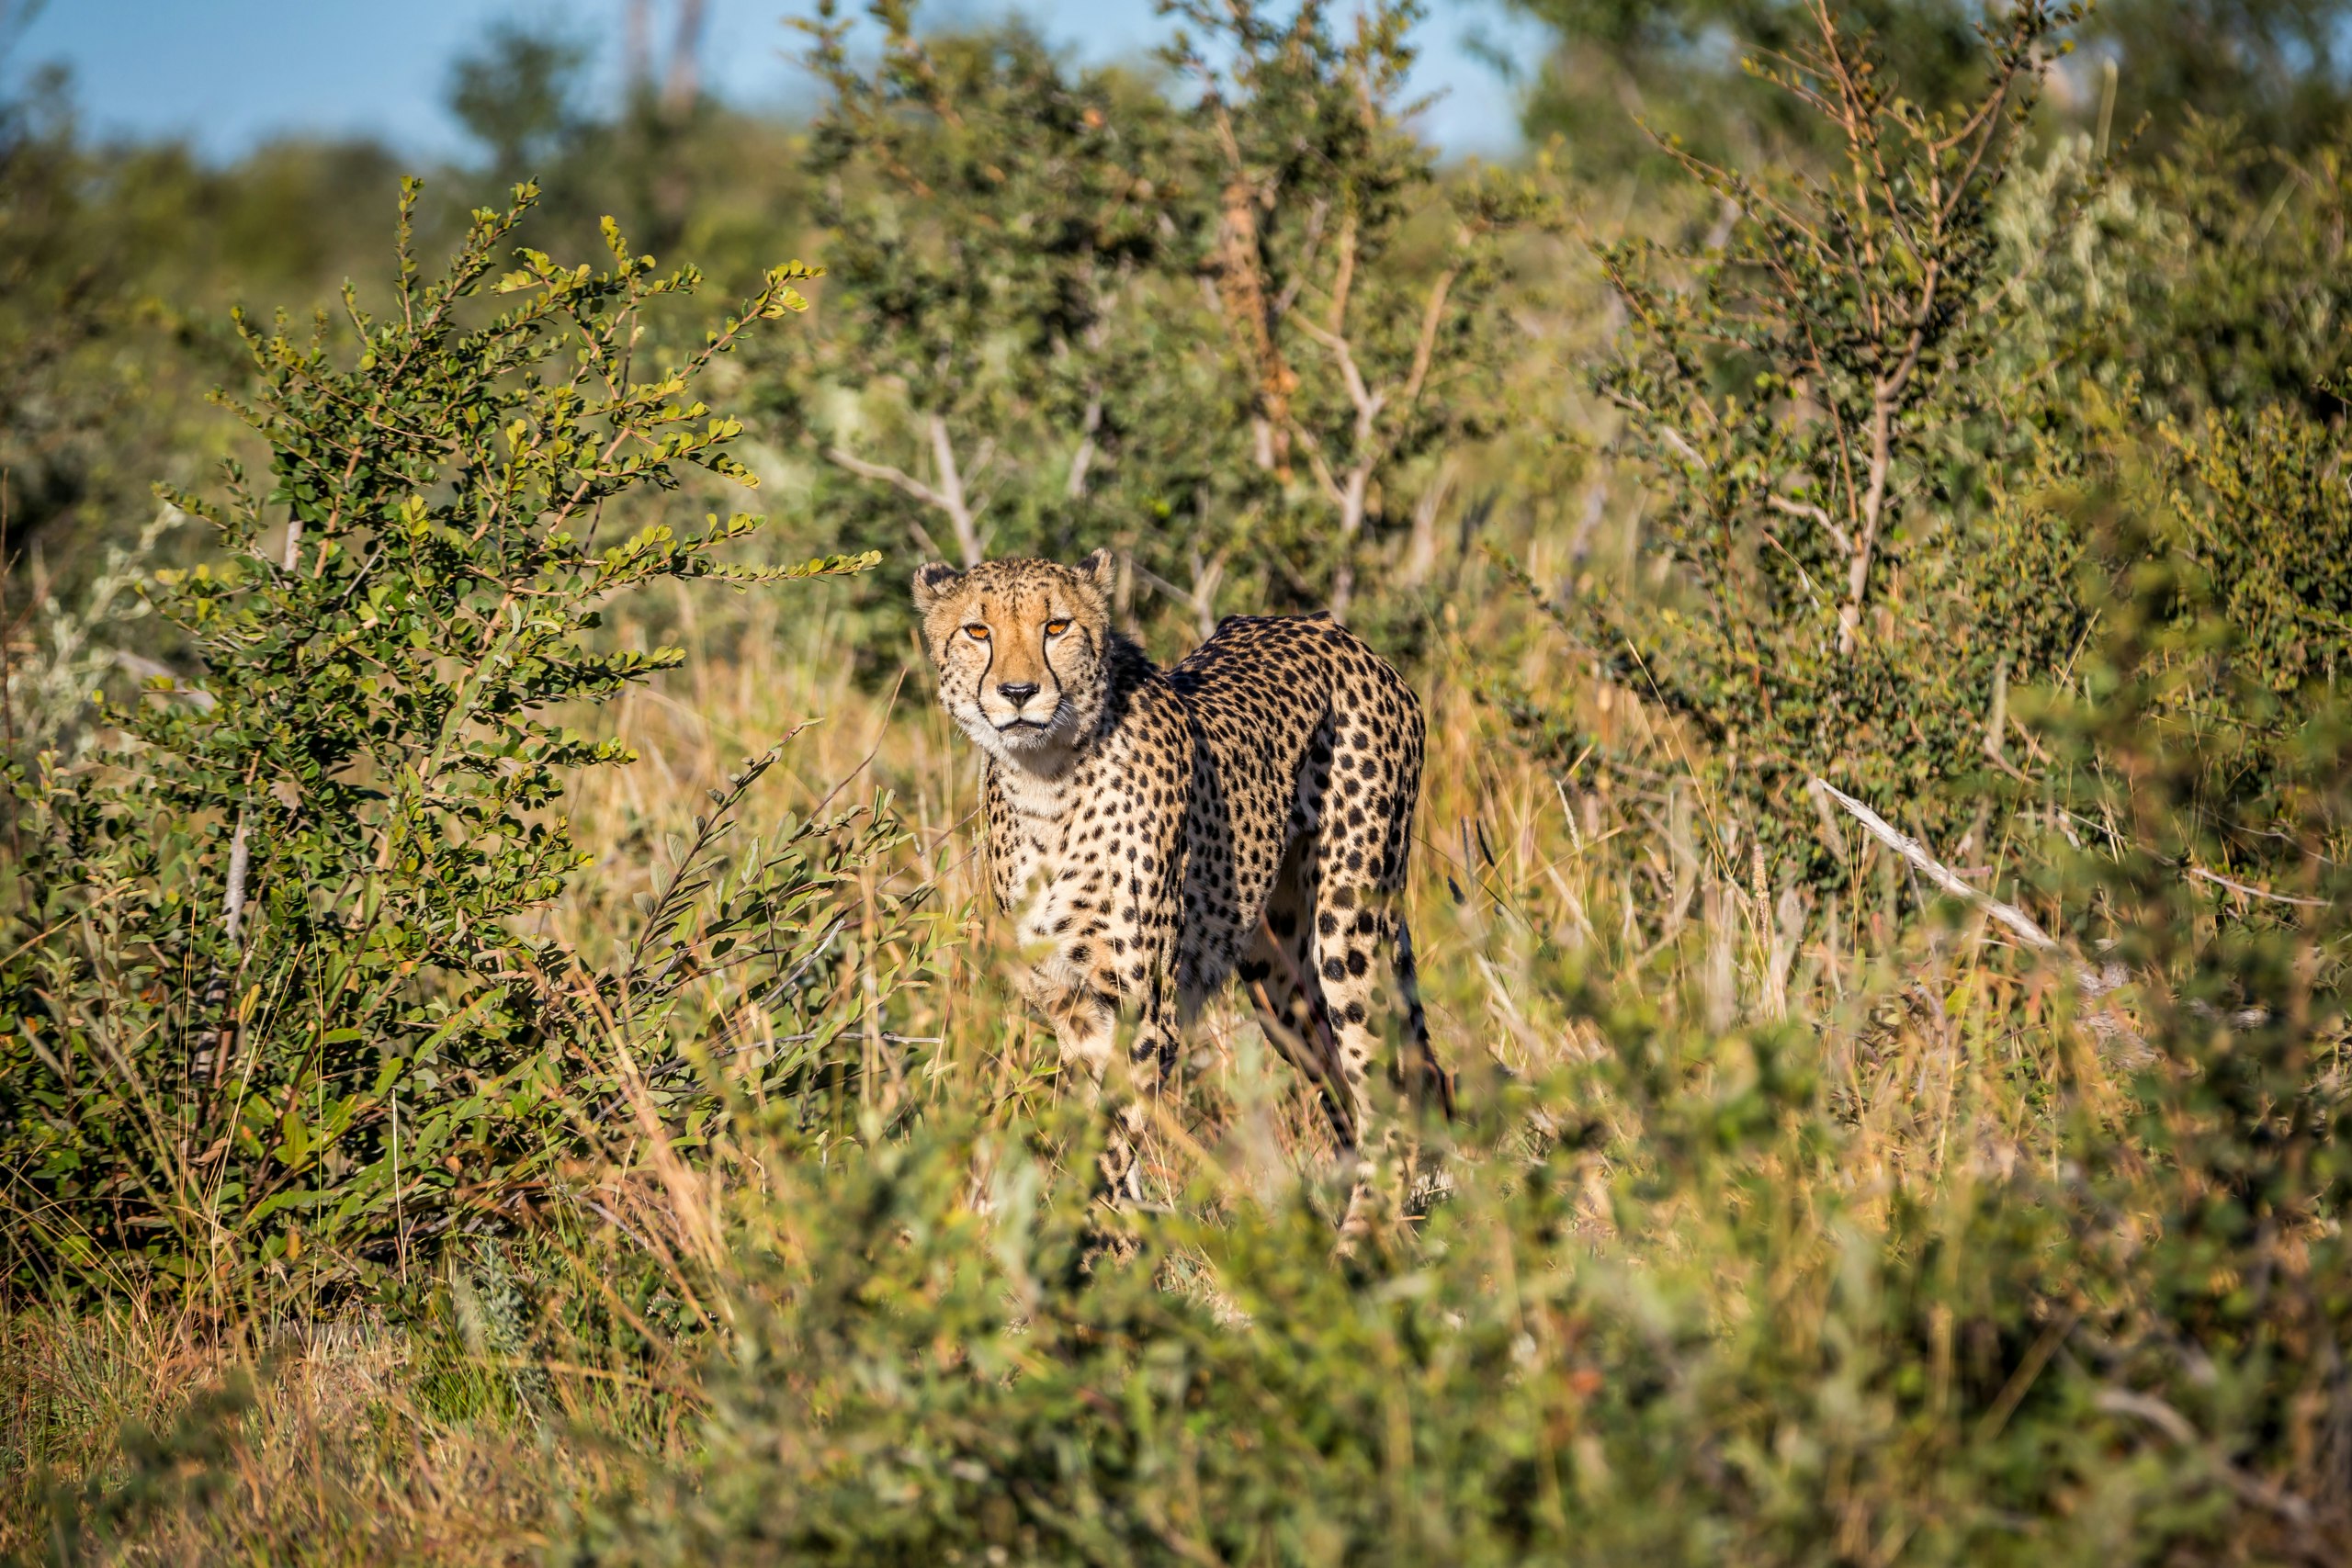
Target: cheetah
[(1155, 834)]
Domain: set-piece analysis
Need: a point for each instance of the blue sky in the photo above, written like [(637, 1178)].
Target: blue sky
[(228, 74)]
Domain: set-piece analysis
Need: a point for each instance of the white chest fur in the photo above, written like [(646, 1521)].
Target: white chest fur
[(1028, 836)]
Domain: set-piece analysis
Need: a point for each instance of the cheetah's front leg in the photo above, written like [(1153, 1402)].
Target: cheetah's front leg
[(1085, 1024), (1094, 969)]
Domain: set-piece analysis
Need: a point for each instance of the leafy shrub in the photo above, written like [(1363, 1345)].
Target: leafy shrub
[(2266, 517), (1813, 403), (1230, 335), (1864, 411), (268, 983), (2217, 1200), (999, 226), (2239, 294)]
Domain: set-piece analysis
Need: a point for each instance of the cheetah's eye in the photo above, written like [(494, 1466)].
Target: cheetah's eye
[(1056, 629), (976, 632)]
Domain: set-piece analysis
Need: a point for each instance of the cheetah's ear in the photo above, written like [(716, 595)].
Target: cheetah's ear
[(1102, 569), (933, 582)]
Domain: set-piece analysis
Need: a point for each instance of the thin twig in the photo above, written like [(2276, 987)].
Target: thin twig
[(950, 502), (1911, 850), (1807, 510), (2264, 1494), (2201, 875)]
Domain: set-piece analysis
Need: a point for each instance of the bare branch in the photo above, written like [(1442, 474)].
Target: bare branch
[(1885, 400), (1331, 489), (925, 542), (233, 905), (1815, 513), (1367, 404), (1316, 215), (2251, 1489), (897, 478), (2093, 983), (1424, 346), (1421, 554), (1083, 458), (1200, 598), (947, 498), (1248, 306), (1343, 282), (1352, 504), (1910, 849), (943, 452), (2201, 875)]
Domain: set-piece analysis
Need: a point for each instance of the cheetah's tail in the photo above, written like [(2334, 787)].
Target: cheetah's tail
[(1425, 1077)]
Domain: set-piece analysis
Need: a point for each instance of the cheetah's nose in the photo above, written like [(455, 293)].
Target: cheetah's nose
[(1017, 693)]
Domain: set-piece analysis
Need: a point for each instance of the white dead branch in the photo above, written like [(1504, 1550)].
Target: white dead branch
[(2093, 983)]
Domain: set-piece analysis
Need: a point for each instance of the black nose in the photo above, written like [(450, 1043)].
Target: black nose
[(1017, 693)]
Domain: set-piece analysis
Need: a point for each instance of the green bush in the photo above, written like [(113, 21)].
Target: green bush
[(1819, 403), (1228, 327), (268, 985)]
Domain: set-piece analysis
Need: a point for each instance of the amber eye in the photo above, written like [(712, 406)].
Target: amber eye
[(1056, 629), (976, 632)]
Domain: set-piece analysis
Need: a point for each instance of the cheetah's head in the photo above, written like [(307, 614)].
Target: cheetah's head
[(1021, 648)]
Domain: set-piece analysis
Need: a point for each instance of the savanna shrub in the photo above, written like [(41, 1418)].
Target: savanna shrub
[(1241, 331), (1821, 402), (270, 997)]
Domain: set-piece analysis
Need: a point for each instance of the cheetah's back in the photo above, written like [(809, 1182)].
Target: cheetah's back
[(1307, 758)]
